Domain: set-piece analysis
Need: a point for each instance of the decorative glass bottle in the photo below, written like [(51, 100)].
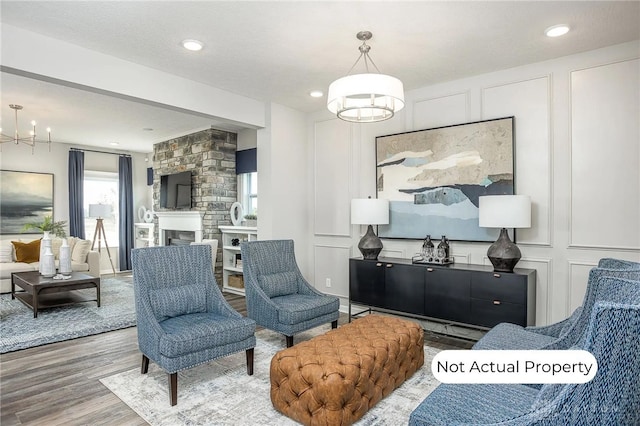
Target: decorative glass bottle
[(428, 248), (64, 266), (443, 249)]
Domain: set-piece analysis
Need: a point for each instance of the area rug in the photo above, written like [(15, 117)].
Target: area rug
[(221, 393), (20, 330)]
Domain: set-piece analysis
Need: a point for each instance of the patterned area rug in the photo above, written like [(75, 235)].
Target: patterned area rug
[(221, 392), (20, 330)]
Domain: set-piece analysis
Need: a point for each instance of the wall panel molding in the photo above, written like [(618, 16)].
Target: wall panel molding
[(604, 106), (523, 98), (331, 207), (331, 261), (433, 108), (544, 289), (572, 288)]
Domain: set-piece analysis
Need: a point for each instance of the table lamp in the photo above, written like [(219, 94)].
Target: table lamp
[(370, 211), (504, 211)]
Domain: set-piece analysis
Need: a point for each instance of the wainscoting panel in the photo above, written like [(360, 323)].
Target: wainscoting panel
[(529, 101), (605, 156), (544, 273), (578, 277), (332, 156), (332, 263), (438, 112)]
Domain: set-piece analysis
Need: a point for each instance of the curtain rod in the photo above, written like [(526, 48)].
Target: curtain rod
[(99, 152)]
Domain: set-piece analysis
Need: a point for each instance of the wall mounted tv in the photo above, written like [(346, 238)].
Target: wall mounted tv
[(175, 191)]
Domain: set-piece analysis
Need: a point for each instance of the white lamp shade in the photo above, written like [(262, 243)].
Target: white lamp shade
[(99, 210), (365, 97), (369, 211), (505, 211)]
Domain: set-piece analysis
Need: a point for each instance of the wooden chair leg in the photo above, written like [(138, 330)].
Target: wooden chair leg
[(250, 362), (145, 364), (173, 388), (289, 341), (334, 324)]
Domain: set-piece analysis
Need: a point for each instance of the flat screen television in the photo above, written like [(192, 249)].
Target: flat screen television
[(175, 191)]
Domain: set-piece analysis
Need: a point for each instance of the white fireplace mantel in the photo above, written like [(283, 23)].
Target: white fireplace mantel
[(188, 220)]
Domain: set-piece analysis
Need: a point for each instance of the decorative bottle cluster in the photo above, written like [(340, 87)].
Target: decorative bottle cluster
[(432, 254)]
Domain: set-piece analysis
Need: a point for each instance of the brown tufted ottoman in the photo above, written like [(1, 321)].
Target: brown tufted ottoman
[(335, 378)]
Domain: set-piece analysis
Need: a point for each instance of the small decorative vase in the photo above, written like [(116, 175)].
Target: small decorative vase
[(64, 266), (44, 243), (48, 263)]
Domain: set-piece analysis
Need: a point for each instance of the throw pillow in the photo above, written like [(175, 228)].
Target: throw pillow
[(80, 251), (279, 284), (175, 301), (27, 252), (6, 252)]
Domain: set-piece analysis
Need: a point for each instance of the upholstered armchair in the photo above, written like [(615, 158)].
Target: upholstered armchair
[(278, 297), (560, 335), (612, 397), (611, 263), (183, 320)]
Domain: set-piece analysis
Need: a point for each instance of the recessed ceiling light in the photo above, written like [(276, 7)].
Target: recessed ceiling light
[(193, 45), (316, 93), (147, 129), (557, 30), (114, 143)]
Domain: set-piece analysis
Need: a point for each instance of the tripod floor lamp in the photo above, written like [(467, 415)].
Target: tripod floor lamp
[(100, 211)]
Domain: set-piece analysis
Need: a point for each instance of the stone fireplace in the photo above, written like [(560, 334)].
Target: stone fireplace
[(179, 227)]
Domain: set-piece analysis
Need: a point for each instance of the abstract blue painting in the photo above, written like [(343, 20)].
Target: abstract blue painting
[(434, 177)]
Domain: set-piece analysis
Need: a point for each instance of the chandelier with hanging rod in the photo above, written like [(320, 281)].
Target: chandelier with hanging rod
[(28, 140), (368, 97)]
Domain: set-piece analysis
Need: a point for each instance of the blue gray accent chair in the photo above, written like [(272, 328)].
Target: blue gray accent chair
[(611, 263), (183, 320), (612, 398), (560, 335), (278, 297)]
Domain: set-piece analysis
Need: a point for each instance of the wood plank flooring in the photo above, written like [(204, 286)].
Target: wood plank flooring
[(58, 384)]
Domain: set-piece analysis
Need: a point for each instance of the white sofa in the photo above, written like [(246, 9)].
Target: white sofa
[(90, 263)]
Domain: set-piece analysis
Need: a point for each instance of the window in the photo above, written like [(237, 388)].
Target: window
[(101, 188), (248, 192)]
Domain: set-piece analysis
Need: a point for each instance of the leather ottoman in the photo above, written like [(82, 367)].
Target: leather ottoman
[(333, 379)]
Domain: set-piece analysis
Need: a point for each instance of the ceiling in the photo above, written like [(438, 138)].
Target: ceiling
[(279, 51)]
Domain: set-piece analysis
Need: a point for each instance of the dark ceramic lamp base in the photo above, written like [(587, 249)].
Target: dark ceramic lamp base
[(370, 245), (503, 254)]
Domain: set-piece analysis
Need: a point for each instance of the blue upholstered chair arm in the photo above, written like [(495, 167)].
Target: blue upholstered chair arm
[(554, 330), (149, 331)]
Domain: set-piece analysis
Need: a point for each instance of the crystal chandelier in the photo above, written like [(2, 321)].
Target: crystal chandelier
[(28, 140), (365, 98)]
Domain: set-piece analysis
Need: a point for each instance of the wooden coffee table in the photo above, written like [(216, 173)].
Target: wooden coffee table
[(40, 292)]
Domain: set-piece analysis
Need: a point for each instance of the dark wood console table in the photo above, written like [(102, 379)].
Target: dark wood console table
[(466, 294)]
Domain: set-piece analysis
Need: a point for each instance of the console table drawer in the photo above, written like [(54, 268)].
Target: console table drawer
[(489, 313), (499, 286)]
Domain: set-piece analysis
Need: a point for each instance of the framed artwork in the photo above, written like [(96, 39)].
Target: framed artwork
[(434, 177), (26, 197)]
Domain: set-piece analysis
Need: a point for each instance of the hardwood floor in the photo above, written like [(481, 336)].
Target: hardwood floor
[(58, 384)]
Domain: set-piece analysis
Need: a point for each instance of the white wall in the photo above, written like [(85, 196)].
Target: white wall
[(19, 158), (577, 155), (282, 180)]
